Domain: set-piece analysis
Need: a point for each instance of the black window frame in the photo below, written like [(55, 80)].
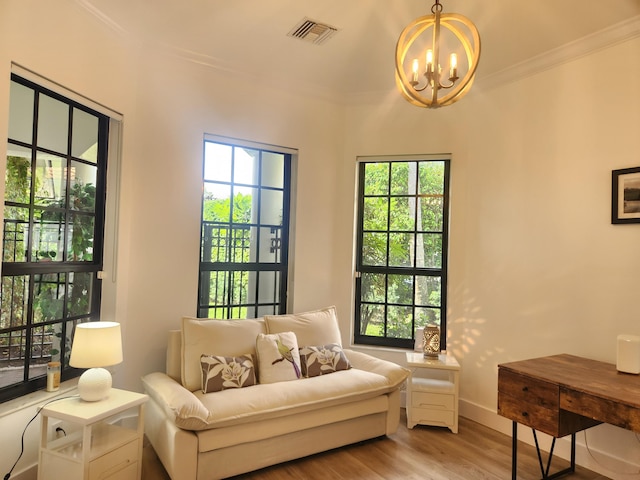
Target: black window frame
[(280, 243), (31, 269), (360, 268)]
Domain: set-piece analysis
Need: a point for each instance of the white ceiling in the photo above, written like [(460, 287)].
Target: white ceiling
[(249, 37)]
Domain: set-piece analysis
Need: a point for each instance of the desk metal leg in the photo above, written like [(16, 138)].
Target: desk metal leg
[(514, 451), (543, 470)]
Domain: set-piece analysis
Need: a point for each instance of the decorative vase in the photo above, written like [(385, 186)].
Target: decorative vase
[(431, 341)]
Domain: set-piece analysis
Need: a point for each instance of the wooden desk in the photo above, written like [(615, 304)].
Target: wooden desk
[(563, 394)]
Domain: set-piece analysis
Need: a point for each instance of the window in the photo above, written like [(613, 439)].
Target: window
[(52, 232), (244, 240), (401, 279)]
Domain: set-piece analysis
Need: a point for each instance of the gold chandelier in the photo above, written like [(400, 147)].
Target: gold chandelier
[(460, 39)]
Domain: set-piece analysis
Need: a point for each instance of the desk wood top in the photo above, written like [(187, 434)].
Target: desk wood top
[(583, 376)]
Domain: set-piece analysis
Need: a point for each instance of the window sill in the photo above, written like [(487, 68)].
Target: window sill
[(37, 398)]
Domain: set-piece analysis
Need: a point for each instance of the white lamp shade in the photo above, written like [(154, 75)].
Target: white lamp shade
[(96, 344)]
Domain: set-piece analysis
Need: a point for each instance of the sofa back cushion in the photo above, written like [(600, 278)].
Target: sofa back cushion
[(318, 327), (227, 338)]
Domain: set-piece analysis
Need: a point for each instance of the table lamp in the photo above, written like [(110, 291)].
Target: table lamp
[(96, 345)]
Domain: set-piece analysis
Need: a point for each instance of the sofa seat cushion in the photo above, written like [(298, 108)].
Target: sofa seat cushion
[(264, 401)]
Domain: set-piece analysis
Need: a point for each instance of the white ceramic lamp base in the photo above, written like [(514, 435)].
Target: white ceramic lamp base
[(94, 384)]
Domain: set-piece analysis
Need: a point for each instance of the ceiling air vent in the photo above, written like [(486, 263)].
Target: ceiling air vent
[(312, 31)]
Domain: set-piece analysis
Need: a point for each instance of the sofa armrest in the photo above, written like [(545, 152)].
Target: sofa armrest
[(395, 374), (186, 409)]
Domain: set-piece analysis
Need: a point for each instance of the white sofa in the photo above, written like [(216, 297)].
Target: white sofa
[(215, 435)]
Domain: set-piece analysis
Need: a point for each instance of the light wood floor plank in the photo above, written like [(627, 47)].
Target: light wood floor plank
[(423, 453)]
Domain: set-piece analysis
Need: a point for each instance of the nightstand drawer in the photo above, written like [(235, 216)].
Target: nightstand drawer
[(106, 466), (426, 416), (441, 401)]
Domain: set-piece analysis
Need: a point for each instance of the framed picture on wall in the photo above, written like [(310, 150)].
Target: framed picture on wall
[(625, 195)]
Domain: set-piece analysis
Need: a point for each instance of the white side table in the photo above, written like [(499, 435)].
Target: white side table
[(432, 390), (96, 449)]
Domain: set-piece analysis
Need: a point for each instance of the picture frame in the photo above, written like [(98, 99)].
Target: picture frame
[(625, 195)]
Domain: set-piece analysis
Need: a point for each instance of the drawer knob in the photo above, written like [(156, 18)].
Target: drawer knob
[(525, 389), (525, 414)]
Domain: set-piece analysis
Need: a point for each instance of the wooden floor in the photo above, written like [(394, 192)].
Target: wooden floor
[(425, 453)]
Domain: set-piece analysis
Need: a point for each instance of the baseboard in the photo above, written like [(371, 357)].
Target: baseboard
[(614, 466), (29, 473)]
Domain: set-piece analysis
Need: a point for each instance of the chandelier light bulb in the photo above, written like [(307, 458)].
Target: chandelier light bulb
[(429, 89)]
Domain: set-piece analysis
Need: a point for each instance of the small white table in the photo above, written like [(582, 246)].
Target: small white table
[(432, 390), (95, 446)]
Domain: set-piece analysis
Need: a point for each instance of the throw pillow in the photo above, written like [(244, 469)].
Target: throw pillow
[(319, 327), (220, 373), (323, 359), (278, 357), (227, 338)]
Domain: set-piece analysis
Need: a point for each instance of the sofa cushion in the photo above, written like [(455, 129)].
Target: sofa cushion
[(318, 327), (323, 359), (278, 357), (219, 373), (226, 338)]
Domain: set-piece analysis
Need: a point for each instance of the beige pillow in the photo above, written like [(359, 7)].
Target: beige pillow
[(226, 338), (220, 373), (278, 357), (323, 359), (319, 327)]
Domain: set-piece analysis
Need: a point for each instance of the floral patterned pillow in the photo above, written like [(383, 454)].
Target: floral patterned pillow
[(220, 373), (323, 359)]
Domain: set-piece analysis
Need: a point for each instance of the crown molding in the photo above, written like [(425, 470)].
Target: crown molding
[(618, 33)]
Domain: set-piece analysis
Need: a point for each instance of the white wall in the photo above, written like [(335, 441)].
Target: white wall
[(536, 267)]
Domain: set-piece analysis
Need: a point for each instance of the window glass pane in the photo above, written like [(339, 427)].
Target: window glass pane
[(268, 310), (85, 136), (268, 288), (47, 243), (376, 179), (431, 181), (270, 245), (431, 245), (271, 204), (372, 320), (244, 204), (241, 244), (272, 170), (428, 291), (16, 228), (403, 178), (214, 284), (83, 187), (80, 293), (21, 113), (403, 213), (245, 166), (400, 249), (48, 296), (373, 287), (15, 297), (374, 249), (53, 124), (400, 289), (17, 180), (80, 238), (40, 347), (217, 162), (216, 206), (426, 316), (431, 213), (376, 213), (51, 180), (399, 322)]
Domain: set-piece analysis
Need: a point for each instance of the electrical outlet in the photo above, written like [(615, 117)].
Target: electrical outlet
[(52, 426)]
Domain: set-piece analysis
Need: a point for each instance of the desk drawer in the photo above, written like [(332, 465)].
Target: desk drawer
[(529, 401)]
